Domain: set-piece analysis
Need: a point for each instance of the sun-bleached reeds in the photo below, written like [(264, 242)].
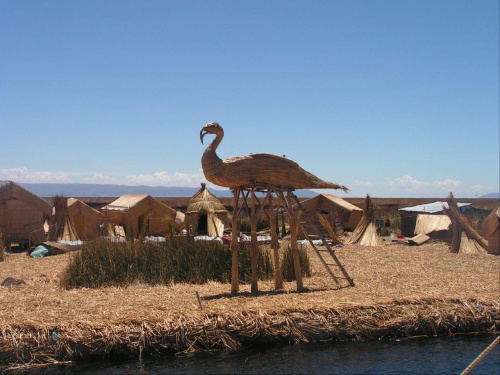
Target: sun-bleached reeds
[(366, 233), (189, 334), (400, 291)]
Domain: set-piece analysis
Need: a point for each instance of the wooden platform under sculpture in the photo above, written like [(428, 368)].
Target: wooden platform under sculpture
[(273, 176)]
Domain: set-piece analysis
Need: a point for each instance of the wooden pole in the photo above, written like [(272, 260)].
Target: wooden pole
[(234, 244), (254, 247), (293, 244), (254, 250), (275, 245)]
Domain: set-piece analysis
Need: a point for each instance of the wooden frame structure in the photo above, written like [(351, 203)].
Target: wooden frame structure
[(268, 174), (287, 200)]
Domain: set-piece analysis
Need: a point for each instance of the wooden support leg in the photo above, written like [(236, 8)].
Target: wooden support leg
[(254, 251), (234, 244), (293, 244), (275, 245)]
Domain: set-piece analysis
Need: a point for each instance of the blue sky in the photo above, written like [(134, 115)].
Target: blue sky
[(390, 98)]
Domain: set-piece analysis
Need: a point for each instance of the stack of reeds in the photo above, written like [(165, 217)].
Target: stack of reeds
[(203, 332), (366, 232), (465, 239), (61, 226)]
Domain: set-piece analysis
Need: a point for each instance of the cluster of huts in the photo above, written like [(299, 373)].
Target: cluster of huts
[(28, 219)]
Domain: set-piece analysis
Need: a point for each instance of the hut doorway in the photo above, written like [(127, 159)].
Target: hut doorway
[(143, 224), (202, 224)]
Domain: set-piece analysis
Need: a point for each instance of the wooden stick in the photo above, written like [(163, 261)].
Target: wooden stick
[(235, 247), (293, 244), (199, 300), (254, 245), (275, 245)]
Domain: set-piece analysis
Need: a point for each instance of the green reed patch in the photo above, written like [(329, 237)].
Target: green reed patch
[(102, 263), (287, 266)]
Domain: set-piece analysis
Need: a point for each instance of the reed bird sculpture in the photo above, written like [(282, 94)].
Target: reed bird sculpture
[(260, 170)]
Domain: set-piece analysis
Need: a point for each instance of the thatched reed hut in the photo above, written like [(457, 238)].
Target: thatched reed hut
[(206, 214), (87, 221), (491, 231), (143, 214), (22, 214), (366, 231), (61, 226), (339, 213), (464, 239)]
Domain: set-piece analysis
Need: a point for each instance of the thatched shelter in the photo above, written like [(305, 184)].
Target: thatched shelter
[(61, 226), (366, 232), (87, 221), (22, 214), (339, 213), (491, 231), (206, 214), (143, 214), (465, 239), (409, 215)]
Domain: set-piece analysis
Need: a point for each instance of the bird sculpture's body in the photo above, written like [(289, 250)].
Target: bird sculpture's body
[(261, 170)]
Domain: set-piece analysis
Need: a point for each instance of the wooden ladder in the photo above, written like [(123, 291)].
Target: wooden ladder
[(327, 256)]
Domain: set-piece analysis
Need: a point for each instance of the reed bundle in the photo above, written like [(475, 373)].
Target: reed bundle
[(61, 226), (188, 334), (465, 238), (365, 232)]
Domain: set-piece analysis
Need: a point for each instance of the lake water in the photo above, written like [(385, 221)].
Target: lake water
[(439, 355)]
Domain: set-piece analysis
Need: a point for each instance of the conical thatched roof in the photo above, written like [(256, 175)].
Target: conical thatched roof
[(366, 232), (465, 239), (62, 227), (205, 201)]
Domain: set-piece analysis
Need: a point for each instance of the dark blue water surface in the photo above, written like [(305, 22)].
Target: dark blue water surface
[(439, 355)]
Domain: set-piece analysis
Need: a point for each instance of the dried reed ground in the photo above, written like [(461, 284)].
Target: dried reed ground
[(400, 291)]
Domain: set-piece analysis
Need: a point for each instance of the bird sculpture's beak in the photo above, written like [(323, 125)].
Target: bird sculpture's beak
[(203, 132)]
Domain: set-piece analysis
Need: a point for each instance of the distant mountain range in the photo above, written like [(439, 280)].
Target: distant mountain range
[(108, 190), (491, 195)]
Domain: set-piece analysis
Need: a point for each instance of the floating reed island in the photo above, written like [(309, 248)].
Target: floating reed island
[(400, 292)]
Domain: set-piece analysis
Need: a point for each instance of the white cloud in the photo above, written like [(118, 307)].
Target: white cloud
[(165, 179), (406, 183), (447, 184), (24, 175)]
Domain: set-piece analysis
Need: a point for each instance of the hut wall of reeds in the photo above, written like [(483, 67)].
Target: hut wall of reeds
[(331, 206), (491, 231), (206, 214), (141, 213), (409, 215), (22, 214), (435, 226), (87, 220)]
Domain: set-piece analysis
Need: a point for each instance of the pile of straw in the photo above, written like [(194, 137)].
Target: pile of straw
[(365, 232), (465, 239), (400, 291)]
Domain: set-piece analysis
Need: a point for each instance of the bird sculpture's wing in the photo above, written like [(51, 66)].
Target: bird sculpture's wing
[(268, 169)]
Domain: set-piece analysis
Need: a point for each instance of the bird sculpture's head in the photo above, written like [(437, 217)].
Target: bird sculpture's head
[(211, 128)]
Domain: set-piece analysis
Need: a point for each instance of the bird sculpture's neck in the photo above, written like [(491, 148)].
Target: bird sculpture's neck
[(210, 161)]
